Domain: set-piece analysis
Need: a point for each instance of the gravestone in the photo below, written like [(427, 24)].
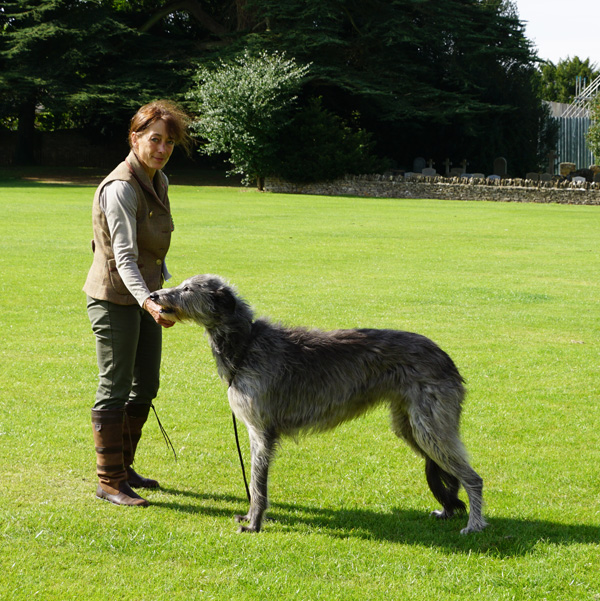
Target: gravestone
[(429, 171), (546, 177), (597, 177), (419, 164), (456, 171), (551, 161), (500, 167), (493, 177), (566, 168), (578, 179), (447, 165), (477, 175), (533, 175)]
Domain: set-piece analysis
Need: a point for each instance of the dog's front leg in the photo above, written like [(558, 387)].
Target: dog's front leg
[(262, 446)]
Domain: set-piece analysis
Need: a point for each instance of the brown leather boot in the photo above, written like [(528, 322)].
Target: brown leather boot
[(108, 439), (135, 418)]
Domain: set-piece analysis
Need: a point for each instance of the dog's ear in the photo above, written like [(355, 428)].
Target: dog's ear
[(225, 299)]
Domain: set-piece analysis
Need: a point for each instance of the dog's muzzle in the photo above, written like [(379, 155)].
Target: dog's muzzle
[(167, 313)]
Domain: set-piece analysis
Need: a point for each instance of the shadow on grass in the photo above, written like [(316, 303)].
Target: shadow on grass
[(504, 537), (16, 183), (42, 176)]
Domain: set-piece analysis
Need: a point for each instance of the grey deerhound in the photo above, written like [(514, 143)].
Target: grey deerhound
[(284, 381)]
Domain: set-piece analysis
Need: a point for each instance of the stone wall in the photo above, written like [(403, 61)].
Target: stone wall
[(496, 190)]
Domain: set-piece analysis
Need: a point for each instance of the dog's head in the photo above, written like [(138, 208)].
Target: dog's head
[(206, 299)]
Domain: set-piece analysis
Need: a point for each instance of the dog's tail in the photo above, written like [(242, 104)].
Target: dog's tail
[(444, 487)]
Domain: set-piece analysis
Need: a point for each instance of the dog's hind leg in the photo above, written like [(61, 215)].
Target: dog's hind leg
[(262, 449), (443, 485), (474, 486), (402, 428), (448, 466)]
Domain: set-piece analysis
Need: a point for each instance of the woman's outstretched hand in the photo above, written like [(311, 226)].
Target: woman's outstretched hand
[(154, 310)]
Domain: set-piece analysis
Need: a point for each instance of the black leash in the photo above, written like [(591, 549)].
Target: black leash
[(164, 433), (235, 365), (237, 442)]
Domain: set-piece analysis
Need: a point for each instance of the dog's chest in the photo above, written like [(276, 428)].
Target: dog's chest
[(242, 405)]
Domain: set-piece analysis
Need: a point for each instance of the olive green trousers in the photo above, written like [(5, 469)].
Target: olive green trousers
[(128, 348)]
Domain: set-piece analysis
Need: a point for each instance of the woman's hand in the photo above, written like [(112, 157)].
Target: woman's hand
[(154, 310)]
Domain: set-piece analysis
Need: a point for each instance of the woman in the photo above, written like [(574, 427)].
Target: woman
[(132, 225)]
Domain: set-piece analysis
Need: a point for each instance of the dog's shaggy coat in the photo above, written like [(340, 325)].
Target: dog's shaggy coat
[(286, 381)]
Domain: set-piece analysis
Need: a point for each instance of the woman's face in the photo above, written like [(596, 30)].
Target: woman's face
[(153, 147)]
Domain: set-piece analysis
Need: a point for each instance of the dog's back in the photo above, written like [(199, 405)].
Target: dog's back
[(311, 379)]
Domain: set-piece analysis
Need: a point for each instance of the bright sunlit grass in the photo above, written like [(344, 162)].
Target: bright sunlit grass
[(510, 291)]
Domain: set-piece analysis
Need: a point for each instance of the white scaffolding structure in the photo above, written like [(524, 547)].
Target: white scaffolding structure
[(584, 94)]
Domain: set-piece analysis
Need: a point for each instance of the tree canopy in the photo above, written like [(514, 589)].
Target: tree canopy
[(557, 82), (245, 109), (79, 63), (451, 78)]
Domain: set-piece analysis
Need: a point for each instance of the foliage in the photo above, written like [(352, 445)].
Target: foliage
[(80, 63), (557, 83), (437, 79), (242, 105), (317, 145), (349, 508), (593, 135)]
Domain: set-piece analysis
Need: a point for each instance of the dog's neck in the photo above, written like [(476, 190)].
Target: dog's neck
[(229, 350)]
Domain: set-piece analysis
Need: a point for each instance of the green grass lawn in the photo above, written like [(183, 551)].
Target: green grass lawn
[(510, 291)]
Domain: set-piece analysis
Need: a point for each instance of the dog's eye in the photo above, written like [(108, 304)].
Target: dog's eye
[(186, 289)]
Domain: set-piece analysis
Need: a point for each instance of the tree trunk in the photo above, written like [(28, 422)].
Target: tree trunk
[(24, 153), (245, 19), (191, 6)]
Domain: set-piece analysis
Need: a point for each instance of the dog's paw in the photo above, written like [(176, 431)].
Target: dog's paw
[(441, 514), (241, 518), (476, 527), (243, 529)]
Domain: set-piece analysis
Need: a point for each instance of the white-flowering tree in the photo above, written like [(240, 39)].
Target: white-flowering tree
[(242, 105)]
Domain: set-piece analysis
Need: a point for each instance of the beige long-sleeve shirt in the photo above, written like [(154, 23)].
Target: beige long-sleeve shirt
[(119, 204)]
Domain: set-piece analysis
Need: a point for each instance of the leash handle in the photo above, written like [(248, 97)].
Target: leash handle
[(237, 442)]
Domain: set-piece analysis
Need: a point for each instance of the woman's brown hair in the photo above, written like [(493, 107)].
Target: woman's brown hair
[(176, 120)]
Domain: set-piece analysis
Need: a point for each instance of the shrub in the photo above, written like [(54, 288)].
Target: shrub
[(320, 146), (242, 106), (593, 136)]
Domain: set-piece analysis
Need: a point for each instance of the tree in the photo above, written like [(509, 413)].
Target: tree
[(242, 105), (426, 77), (442, 79), (558, 82), (593, 135), (78, 62), (318, 145)]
